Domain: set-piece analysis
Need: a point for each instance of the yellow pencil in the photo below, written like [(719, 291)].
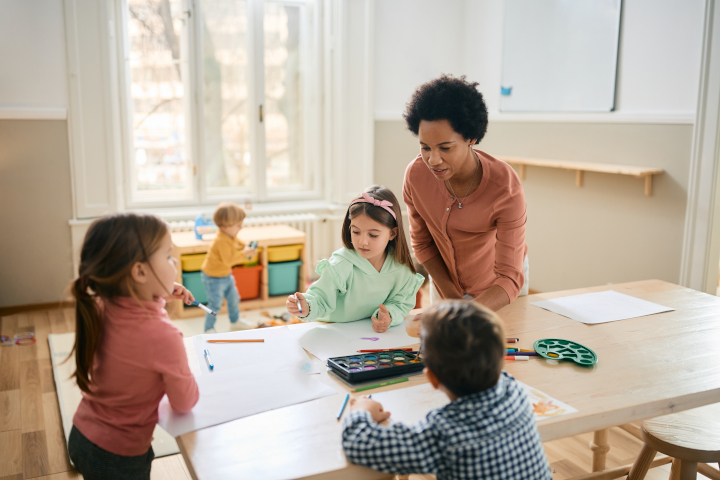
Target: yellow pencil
[(259, 340)]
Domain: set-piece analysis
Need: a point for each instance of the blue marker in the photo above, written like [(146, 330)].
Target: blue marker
[(214, 314), (209, 360)]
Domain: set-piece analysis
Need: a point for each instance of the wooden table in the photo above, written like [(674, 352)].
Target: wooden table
[(185, 243), (647, 367)]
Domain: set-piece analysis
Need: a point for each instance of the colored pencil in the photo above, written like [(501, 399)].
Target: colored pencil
[(259, 340), (523, 354), (512, 340), (342, 409), (524, 350), (516, 358), (386, 350), (383, 384)]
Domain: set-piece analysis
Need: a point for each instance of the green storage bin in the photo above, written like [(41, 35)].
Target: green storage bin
[(193, 282), (283, 277)]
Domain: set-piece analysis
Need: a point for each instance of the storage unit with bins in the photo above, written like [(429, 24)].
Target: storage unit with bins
[(264, 281)]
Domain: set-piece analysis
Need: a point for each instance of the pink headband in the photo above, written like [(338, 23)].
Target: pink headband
[(378, 203)]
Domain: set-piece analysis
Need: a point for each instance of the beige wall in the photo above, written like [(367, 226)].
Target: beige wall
[(35, 206), (608, 231)]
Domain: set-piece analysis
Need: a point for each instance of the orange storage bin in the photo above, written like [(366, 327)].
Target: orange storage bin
[(247, 280)]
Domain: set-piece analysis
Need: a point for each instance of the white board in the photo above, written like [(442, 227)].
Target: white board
[(560, 56)]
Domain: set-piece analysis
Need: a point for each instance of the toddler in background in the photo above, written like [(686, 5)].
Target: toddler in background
[(225, 252), (486, 431)]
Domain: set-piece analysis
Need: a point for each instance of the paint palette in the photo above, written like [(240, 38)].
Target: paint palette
[(369, 366), (559, 349)]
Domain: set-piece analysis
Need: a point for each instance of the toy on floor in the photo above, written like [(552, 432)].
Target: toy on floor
[(278, 320)]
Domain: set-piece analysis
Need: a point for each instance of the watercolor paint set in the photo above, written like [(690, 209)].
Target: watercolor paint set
[(370, 366)]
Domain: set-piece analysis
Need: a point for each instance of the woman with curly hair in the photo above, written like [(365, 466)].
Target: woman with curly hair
[(467, 209)]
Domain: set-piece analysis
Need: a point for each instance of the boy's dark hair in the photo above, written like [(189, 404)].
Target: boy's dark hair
[(448, 98), (463, 345)]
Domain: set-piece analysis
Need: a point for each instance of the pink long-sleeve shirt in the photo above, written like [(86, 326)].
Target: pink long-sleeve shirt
[(141, 357), (482, 244)]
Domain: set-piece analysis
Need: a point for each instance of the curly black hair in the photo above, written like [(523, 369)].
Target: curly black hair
[(448, 98)]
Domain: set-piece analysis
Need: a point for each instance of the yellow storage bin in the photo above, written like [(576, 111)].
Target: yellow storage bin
[(284, 253), (192, 263), (252, 260)]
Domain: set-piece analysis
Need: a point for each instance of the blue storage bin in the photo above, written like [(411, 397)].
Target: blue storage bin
[(283, 277), (193, 282)]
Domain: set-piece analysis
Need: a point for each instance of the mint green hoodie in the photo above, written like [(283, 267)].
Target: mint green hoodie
[(351, 289)]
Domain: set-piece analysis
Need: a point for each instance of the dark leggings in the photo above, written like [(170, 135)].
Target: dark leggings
[(95, 463)]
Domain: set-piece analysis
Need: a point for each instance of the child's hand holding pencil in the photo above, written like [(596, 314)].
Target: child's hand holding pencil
[(375, 408)]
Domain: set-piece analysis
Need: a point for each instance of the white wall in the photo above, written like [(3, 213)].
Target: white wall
[(32, 54), (415, 41), (659, 62)]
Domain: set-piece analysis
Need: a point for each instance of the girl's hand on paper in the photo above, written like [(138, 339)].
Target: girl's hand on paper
[(292, 305), (181, 293), (382, 323), (375, 408)]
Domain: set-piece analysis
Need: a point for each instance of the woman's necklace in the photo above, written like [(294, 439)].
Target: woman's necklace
[(471, 184)]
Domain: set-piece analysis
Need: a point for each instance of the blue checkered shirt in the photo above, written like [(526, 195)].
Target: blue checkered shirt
[(487, 435)]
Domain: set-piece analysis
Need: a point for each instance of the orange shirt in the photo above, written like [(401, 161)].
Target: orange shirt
[(482, 244)]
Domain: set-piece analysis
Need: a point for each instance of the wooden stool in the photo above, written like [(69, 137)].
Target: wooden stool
[(687, 438)]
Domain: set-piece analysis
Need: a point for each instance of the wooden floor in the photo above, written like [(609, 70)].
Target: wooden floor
[(32, 444)]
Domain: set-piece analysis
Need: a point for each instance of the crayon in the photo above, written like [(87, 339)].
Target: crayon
[(512, 340), (516, 358), (258, 340)]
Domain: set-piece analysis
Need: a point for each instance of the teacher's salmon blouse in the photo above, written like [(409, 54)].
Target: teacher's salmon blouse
[(482, 244)]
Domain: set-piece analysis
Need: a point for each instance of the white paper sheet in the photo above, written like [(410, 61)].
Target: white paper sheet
[(412, 404), (545, 406), (281, 349), (338, 339), (241, 392), (601, 307)]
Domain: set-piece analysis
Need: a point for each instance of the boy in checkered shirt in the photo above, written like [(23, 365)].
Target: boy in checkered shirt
[(487, 431)]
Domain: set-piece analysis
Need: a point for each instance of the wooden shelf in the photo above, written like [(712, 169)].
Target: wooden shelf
[(581, 167), (185, 243)]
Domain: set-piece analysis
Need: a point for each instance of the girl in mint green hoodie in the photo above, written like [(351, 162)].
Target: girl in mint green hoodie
[(372, 276)]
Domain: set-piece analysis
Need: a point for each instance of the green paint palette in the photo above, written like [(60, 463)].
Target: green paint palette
[(559, 349)]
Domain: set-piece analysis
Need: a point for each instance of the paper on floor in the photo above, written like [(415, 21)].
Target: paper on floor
[(241, 392), (338, 339), (601, 307), (281, 349)]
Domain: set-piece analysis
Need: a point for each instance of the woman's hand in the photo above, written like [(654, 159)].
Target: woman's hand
[(181, 293), (375, 408), (292, 305), (382, 323)]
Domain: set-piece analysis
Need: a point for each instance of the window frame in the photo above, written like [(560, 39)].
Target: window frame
[(259, 192)]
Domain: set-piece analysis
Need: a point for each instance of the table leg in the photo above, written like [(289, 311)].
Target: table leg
[(599, 446)]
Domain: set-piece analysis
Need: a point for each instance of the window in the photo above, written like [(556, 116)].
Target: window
[(220, 100)]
